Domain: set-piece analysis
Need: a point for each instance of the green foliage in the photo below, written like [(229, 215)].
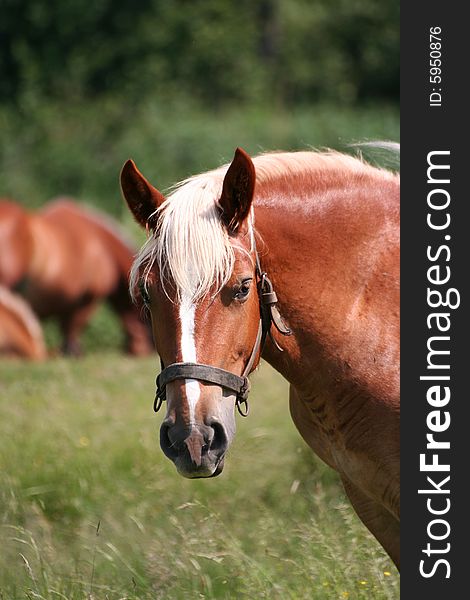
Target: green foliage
[(177, 85), (341, 50), (217, 51), (79, 149), (91, 508)]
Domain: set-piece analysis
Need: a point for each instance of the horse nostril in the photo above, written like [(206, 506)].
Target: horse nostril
[(169, 446), (219, 440), (176, 441)]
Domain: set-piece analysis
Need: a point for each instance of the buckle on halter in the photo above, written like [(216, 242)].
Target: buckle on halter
[(157, 403), (160, 396), (242, 398)]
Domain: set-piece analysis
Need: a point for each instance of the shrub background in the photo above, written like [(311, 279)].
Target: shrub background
[(178, 85)]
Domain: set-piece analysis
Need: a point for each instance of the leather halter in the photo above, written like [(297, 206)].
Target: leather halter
[(239, 385)]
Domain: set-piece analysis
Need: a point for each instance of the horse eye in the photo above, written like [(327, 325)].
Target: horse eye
[(243, 290), (143, 293)]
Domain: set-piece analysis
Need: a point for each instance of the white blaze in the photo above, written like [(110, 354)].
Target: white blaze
[(188, 351)]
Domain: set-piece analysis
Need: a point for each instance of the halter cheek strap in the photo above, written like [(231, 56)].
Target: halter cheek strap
[(239, 385)]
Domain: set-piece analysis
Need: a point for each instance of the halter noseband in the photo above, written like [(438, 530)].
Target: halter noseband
[(239, 385)]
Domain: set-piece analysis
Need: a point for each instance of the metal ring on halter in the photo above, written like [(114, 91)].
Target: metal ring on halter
[(262, 277), (242, 401), (157, 403)]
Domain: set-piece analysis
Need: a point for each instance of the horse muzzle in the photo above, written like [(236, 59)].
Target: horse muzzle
[(197, 451)]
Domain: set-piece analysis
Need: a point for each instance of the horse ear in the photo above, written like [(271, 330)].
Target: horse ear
[(237, 190), (141, 197)]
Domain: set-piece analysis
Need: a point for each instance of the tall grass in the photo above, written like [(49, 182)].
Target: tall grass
[(90, 507)]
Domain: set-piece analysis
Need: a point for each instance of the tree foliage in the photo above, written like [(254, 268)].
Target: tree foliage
[(215, 51)]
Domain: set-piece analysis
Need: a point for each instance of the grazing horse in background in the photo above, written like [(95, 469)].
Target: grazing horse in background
[(320, 230), (20, 331), (66, 259), (15, 243)]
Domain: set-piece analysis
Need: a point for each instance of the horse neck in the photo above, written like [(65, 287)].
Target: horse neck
[(123, 257), (332, 256), (50, 231), (120, 249)]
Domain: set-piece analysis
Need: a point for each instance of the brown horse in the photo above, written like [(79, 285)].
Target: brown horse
[(20, 331), (67, 259), (15, 243), (322, 230)]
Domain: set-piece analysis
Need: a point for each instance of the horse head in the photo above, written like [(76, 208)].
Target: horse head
[(199, 276)]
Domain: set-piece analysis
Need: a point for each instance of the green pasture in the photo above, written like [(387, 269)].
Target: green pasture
[(91, 509)]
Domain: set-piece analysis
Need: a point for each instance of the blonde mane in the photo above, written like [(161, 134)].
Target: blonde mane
[(190, 244)]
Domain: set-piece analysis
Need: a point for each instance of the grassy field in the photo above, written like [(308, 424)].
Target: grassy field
[(91, 509)]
